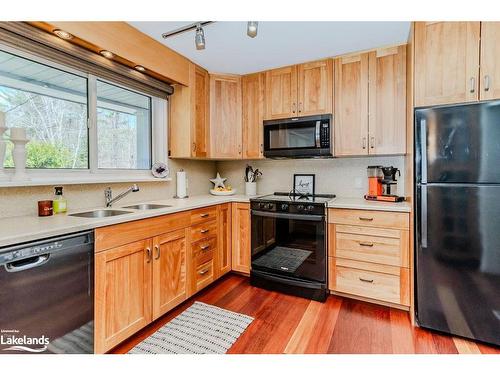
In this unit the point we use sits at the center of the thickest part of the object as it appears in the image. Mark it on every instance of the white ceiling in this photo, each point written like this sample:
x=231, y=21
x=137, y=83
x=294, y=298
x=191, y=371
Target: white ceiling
x=230, y=50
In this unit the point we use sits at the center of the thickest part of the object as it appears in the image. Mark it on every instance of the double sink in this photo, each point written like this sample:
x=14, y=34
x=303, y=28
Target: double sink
x=100, y=213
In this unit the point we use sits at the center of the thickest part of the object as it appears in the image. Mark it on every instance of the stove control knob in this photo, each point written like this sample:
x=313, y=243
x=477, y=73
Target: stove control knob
x=262, y=205
x=310, y=207
x=269, y=206
x=300, y=207
x=284, y=207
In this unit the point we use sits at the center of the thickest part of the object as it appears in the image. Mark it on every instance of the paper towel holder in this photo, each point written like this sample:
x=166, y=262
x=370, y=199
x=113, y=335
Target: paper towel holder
x=186, y=196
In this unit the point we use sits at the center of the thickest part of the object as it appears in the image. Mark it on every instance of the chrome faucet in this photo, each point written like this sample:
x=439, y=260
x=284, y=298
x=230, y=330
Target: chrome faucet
x=108, y=194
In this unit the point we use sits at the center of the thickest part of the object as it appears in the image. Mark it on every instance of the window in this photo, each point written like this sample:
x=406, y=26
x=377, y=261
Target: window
x=77, y=121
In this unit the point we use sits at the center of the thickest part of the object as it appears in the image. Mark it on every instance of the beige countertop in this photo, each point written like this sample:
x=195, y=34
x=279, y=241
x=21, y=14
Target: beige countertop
x=15, y=230
x=363, y=204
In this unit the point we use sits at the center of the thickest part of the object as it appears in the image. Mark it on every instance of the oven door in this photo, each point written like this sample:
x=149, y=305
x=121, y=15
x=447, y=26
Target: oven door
x=297, y=137
x=289, y=244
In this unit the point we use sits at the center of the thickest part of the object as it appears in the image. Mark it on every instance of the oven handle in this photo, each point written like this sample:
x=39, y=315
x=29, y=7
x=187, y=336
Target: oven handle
x=279, y=215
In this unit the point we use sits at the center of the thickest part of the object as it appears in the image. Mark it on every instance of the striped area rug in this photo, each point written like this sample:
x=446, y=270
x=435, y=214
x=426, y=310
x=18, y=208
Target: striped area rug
x=201, y=329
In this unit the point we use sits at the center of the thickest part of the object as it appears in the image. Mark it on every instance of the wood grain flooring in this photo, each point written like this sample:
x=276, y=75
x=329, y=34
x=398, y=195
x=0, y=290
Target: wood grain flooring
x=287, y=324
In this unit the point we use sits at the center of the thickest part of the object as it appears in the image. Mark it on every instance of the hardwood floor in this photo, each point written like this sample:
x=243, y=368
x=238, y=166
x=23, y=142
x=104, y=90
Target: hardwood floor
x=287, y=324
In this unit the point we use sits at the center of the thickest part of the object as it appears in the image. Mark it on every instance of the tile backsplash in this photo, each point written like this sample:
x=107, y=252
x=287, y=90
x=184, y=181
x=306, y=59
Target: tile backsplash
x=345, y=177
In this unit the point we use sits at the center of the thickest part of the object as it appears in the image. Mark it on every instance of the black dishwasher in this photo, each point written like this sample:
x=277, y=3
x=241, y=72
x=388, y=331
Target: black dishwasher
x=47, y=296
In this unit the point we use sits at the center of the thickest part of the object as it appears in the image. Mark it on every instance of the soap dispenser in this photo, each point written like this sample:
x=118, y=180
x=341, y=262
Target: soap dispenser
x=60, y=203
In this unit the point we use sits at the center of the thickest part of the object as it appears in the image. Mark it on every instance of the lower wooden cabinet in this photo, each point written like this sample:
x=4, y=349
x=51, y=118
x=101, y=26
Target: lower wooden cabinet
x=122, y=293
x=241, y=252
x=224, y=240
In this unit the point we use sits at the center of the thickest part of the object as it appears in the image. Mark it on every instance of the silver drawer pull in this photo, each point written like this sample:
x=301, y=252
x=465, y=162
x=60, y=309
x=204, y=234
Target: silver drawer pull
x=486, y=83
x=204, y=215
x=366, y=244
x=366, y=218
x=366, y=280
x=148, y=254
x=203, y=272
x=205, y=247
x=204, y=230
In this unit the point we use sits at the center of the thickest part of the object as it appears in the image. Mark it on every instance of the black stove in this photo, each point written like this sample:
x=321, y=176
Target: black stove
x=289, y=243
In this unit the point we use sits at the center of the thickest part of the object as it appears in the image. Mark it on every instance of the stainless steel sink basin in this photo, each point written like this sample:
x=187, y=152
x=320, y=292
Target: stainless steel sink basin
x=100, y=213
x=147, y=206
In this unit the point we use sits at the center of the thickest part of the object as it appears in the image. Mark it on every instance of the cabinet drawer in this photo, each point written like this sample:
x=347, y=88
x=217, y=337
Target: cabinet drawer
x=362, y=279
x=204, y=251
x=204, y=214
x=385, y=250
x=204, y=275
x=370, y=218
x=203, y=230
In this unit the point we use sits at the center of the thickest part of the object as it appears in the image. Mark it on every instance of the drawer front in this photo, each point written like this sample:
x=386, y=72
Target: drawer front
x=384, y=250
x=203, y=231
x=204, y=214
x=204, y=251
x=389, y=287
x=369, y=218
x=204, y=275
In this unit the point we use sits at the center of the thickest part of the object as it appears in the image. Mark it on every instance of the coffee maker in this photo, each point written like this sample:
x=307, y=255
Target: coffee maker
x=382, y=184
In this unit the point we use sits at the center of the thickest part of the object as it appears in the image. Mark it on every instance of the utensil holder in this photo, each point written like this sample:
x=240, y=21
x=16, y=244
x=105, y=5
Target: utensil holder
x=250, y=188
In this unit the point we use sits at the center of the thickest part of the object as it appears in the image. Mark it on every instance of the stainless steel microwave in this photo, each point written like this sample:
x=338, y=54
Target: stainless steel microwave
x=299, y=137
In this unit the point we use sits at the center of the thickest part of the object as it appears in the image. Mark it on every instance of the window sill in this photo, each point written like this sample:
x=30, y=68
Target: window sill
x=97, y=178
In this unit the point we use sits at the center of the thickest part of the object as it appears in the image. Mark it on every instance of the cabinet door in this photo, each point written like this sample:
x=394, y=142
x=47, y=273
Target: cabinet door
x=446, y=62
x=241, y=237
x=315, y=88
x=169, y=271
x=387, y=98
x=281, y=93
x=123, y=293
x=351, y=105
x=225, y=117
x=201, y=114
x=490, y=61
x=253, y=115
x=224, y=240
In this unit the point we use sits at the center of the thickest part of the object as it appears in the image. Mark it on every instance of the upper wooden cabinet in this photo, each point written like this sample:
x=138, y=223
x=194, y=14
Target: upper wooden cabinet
x=201, y=132
x=387, y=101
x=253, y=115
x=281, y=93
x=299, y=90
x=225, y=117
x=351, y=105
x=315, y=87
x=490, y=61
x=446, y=62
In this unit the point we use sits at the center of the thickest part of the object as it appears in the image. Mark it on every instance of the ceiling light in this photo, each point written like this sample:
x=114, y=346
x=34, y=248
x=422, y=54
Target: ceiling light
x=252, y=28
x=63, y=34
x=107, y=54
x=140, y=68
x=199, y=38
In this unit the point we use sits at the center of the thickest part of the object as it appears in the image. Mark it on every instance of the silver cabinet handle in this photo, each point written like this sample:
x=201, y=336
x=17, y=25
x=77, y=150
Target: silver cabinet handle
x=158, y=252
x=472, y=85
x=486, y=83
x=300, y=107
x=205, y=247
x=372, y=142
x=204, y=230
x=204, y=215
x=363, y=143
x=366, y=244
x=148, y=253
x=366, y=280
x=194, y=146
x=203, y=272
x=261, y=148
x=294, y=107
x=365, y=218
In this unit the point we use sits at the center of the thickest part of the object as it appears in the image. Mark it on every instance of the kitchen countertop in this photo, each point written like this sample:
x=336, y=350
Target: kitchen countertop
x=363, y=204
x=16, y=230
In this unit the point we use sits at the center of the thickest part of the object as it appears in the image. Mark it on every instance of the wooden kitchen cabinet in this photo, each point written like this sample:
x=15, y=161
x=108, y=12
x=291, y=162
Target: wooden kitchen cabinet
x=387, y=101
x=200, y=146
x=122, y=293
x=447, y=62
x=281, y=93
x=351, y=105
x=241, y=253
x=490, y=61
x=315, y=87
x=225, y=117
x=223, y=264
x=253, y=115
x=170, y=274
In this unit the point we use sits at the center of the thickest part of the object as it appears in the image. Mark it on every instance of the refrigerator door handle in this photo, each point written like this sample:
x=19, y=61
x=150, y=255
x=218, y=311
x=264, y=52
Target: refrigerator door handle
x=423, y=217
x=423, y=142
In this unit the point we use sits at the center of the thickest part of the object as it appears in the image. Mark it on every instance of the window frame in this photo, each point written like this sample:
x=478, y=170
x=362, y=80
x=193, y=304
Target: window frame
x=94, y=174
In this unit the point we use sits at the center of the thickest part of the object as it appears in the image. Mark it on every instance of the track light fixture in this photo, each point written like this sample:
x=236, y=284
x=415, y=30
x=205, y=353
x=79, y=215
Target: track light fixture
x=252, y=28
x=199, y=38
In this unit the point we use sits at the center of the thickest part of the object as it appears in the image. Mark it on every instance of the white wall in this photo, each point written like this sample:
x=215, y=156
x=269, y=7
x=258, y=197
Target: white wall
x=338, y=176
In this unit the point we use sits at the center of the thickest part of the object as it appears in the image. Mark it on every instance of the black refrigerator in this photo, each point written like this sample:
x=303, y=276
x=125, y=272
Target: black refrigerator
x=457, y=190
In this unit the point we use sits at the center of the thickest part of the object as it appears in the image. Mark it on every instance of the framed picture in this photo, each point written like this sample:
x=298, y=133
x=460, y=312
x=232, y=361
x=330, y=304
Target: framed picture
x=304, y=183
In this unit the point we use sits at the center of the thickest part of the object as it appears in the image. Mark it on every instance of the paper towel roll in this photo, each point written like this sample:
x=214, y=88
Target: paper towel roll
x=181, y=184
